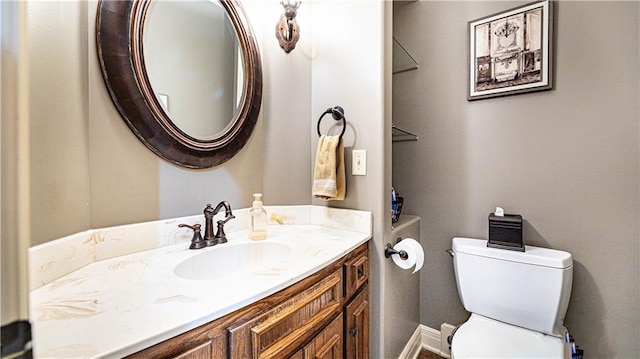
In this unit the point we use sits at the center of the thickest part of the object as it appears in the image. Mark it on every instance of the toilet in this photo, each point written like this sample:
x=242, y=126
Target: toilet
x=517, y=301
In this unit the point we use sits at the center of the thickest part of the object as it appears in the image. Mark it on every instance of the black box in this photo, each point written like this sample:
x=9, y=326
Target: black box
x=505, y=232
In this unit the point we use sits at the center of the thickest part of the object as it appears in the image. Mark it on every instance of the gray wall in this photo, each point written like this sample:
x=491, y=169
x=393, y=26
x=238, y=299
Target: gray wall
x=402, y=293
x=566, y=159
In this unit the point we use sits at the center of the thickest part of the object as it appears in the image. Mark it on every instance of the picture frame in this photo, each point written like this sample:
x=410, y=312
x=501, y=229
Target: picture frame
x=511, y=52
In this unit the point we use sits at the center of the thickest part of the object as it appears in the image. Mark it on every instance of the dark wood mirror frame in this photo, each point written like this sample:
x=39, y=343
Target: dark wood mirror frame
x=119, y=27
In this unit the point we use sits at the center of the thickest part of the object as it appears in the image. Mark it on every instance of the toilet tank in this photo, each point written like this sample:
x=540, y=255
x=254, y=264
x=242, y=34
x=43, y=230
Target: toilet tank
x=530, y=289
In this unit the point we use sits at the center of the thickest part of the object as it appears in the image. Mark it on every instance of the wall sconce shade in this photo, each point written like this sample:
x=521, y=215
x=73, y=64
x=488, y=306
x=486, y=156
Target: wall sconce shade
x=287, y=30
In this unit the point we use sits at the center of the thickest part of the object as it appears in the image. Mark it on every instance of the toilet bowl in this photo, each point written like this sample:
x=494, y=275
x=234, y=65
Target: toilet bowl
x=481, y=337
x=517, y=301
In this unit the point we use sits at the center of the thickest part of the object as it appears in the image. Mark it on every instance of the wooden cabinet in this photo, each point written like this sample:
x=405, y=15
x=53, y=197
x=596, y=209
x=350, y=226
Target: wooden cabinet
x=356, y=309
x=357, y=326
x=324, y=316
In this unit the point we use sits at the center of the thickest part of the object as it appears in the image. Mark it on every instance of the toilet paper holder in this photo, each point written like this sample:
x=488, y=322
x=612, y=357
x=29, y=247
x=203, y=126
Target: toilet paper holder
x=389, y=251
x=407, y=253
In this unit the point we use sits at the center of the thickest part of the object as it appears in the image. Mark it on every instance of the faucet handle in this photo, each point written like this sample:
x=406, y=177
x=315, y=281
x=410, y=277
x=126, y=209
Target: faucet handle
x=221, y=237
x=196, y=241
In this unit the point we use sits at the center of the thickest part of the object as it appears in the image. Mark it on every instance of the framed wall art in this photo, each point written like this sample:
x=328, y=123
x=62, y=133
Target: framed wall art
x=511, y=52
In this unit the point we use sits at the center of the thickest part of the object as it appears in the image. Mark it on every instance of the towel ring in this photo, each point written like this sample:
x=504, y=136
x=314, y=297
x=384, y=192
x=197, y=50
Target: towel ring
x=337, y=113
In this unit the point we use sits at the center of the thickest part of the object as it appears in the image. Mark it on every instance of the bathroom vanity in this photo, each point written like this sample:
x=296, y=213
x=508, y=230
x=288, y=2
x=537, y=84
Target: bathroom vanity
x=305, y=320
x=303, y=292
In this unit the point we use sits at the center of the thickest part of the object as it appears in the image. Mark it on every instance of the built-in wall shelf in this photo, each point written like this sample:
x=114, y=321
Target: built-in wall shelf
x=402, y=61
x=400, y=135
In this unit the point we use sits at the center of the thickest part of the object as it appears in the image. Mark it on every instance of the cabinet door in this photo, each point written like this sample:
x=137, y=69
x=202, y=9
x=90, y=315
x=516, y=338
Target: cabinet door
x=328, y=343
x=357, y=326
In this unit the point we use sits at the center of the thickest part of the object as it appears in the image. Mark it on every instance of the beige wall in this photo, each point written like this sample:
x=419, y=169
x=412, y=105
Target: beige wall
x=348, y=69
x=287, y=132
x=90, y=171
x=59, y=118
x=566, y=159
x=14, y=157
x=341, y=59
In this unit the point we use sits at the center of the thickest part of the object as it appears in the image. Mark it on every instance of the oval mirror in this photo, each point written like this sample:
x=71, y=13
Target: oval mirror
x=185, y=76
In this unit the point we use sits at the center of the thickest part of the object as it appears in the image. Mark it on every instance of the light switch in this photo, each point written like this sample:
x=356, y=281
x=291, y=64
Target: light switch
x=359, y=163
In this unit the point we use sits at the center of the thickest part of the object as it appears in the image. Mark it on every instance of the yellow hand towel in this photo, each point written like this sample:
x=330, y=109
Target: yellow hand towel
x=328, y=175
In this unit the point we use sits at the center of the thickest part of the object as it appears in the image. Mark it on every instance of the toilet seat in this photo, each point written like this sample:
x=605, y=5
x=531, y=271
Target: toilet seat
x=481, y=337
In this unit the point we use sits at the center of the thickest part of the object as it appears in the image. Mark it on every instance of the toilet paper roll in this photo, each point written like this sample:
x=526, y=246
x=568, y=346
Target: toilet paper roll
x=414, y=251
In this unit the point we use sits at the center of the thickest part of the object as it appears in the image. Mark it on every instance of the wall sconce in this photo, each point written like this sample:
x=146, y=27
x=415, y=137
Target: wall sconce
x=287, y=30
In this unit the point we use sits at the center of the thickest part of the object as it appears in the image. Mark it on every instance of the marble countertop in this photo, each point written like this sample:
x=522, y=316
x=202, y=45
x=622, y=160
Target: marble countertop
x=118, y=306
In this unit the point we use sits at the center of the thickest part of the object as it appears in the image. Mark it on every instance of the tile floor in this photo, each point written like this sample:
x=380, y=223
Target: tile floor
x=425, y=354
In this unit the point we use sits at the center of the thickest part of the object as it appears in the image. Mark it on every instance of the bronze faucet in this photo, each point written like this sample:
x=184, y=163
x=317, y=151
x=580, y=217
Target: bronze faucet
x=209, y=212
x=210, y=239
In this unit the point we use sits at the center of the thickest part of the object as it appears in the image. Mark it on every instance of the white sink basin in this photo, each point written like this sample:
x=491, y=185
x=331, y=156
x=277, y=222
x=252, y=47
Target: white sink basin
x=230, y=261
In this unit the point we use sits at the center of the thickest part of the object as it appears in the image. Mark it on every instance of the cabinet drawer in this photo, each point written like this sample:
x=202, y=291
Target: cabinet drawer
x=283, y=329
x=356, y=272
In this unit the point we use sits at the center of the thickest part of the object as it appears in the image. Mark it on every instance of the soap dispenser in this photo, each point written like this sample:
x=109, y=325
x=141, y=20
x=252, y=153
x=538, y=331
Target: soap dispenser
x=258, y=225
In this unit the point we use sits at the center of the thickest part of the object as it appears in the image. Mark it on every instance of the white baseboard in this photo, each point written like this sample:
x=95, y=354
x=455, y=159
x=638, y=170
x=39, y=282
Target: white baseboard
x=423, y=338
x=430, y=339
x=413, y=347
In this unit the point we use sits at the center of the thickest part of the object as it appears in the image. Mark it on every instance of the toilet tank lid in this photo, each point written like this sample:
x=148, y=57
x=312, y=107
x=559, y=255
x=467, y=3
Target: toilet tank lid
x=532, y=255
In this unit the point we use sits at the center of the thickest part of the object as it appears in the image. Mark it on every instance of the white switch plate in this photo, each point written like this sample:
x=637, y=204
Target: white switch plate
x=359, y=163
